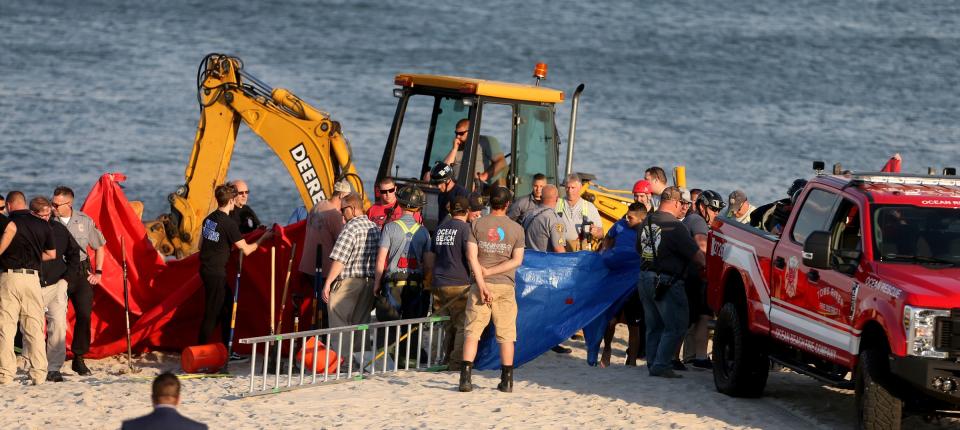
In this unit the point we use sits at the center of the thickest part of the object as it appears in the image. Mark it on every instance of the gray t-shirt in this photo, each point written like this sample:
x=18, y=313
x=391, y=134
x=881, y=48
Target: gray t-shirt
x=406, y=242
x=489, y=150
x=696, y=224
x=543, y=230
x=496, y=237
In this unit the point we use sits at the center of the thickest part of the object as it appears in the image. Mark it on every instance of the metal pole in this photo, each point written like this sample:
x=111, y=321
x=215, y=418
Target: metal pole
x=253, y=365
x=303, y=358
x=396, y=353
x=419, y=343
x=406, y=364
x=316, y=340
x=572, y=134
x=363, y=349
x=429, y=355
x=266, y=361
x=339, y=352
x=290, y=361
x=326, y=361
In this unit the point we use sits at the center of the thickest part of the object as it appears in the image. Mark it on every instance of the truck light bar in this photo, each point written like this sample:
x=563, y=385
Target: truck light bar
x=906, y=180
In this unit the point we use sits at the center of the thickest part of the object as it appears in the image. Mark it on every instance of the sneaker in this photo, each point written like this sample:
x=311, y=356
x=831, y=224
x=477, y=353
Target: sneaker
x=237, y=358
x=54, y=376
x=678, y=365
x=80, y=367
x=669, y=374
x=560, y=349
x=702, y=363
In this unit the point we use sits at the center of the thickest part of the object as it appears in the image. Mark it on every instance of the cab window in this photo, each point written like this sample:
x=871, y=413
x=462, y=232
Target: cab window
x=536, y=147
x=449, y=112
x=814, y=215
x=495, y=140
x=846, y=237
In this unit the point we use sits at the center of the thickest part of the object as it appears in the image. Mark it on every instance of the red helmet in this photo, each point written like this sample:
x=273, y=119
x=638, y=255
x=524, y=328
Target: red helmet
x=642, y=186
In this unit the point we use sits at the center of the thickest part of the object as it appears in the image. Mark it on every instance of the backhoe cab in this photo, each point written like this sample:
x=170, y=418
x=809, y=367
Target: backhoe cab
x=511, y=134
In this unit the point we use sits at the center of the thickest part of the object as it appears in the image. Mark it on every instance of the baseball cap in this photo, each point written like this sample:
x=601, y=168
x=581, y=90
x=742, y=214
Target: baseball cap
x=460, y=204
x=685, y=195
x=737, y=198
x=342, y=186
x=477, y=202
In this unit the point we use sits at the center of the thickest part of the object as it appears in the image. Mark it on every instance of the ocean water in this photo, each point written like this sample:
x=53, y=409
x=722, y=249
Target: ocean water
x=744, y=93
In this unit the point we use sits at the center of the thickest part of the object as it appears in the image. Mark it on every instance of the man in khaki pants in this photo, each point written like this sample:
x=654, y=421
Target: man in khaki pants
x=451, y=277
x=494, y=251
x=354, y=256
x=26, y=241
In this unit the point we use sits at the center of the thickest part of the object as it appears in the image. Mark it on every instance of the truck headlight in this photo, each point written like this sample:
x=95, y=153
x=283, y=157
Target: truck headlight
x=920, y=325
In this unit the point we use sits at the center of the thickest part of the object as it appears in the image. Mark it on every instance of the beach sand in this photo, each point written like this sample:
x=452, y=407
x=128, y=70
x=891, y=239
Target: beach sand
x=553, y=391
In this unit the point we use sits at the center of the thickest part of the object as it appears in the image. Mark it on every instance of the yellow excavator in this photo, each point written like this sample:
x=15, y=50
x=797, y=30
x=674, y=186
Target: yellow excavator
x=517, y=117
x=309, y=143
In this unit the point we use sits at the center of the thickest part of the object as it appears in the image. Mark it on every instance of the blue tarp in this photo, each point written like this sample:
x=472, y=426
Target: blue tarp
x=558, y=294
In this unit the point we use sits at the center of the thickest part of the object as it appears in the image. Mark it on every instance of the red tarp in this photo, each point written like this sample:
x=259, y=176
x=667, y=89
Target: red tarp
x=166, y=298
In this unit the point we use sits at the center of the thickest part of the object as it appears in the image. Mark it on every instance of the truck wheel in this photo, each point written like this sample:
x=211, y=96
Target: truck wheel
x=877, y=408
x=740, y=366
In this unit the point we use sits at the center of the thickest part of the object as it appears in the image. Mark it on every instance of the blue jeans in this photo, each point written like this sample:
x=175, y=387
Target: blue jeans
x=666, y=320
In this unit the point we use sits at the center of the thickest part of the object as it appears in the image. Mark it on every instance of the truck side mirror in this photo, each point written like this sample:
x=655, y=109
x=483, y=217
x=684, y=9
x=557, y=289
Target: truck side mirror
x=816, y=250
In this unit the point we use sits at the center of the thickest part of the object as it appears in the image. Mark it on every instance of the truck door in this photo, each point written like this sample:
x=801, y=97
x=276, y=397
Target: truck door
x=536, y=149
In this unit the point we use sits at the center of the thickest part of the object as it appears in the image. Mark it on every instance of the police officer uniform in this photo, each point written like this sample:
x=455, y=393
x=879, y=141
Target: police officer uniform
x=80, y=292
x=544, y=230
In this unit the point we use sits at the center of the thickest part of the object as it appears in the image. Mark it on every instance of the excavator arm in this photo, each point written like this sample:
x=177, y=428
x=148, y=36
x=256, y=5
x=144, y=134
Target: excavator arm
x=310, y=145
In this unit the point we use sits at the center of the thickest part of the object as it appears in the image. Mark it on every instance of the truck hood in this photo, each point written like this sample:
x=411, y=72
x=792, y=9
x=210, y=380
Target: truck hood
x=923, y=285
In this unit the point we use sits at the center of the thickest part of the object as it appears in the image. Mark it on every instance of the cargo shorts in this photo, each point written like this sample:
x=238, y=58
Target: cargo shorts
x=503, y=311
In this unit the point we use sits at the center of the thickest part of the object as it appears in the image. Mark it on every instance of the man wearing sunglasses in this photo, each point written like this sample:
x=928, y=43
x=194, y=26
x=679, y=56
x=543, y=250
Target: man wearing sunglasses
x=27, y=241
x=242, y=213
x=490, y=165
x=386, y=209
x=85, y=232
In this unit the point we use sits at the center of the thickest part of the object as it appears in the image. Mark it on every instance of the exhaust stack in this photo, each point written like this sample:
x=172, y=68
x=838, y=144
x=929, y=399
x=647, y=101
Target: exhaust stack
x=573, y=130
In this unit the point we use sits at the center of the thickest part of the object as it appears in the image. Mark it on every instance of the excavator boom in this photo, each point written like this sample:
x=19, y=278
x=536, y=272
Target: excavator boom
x=310, y=145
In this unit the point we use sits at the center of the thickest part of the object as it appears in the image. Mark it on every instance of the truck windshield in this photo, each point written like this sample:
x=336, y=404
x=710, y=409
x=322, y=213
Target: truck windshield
x=914, y=234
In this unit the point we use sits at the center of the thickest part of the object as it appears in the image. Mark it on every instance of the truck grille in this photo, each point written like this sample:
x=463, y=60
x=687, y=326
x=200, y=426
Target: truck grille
x=947, y=333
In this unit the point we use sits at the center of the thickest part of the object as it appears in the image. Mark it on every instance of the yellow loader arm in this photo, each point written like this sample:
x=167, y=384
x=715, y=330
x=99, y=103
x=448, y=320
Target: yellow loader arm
x=310, y=145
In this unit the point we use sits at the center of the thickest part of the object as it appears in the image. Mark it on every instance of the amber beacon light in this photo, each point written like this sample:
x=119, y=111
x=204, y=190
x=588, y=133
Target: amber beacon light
x=540, y=72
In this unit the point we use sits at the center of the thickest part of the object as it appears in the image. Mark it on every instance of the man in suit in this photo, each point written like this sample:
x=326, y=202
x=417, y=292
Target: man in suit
x=166, y=397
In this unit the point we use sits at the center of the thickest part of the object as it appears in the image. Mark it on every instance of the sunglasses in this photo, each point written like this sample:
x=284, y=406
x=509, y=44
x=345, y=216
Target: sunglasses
x=462, y=132
x=388, y=190
x=243, y=193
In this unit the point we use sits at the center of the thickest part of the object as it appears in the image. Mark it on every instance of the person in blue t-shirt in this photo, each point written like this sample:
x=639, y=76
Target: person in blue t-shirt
x=619, y=249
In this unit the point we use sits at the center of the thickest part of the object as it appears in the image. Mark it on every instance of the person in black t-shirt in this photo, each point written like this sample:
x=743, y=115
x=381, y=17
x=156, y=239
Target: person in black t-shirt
x=242, y=213
x=27, y=241
x=55, y=277
x=219, y=235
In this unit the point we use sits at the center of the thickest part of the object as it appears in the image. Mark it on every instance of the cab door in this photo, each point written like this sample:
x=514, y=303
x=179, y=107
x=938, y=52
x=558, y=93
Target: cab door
x=536, y=149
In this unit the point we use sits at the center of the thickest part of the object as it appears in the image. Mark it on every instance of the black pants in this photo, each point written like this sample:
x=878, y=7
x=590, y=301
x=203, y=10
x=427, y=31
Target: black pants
x=306, y=282
x=217, y=307
x=80, y=293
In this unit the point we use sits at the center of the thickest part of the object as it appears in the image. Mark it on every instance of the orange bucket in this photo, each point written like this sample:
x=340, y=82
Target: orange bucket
x=209, y=358
x=332, y=364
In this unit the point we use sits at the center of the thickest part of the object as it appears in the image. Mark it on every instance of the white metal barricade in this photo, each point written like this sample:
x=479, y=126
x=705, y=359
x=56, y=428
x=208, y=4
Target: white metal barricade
x=383, y=355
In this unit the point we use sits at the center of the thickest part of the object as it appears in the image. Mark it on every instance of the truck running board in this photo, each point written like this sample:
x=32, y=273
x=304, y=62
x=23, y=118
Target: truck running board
x=813, y=372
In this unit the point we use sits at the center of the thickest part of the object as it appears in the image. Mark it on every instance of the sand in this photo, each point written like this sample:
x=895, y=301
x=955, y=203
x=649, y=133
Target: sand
x=554, y=391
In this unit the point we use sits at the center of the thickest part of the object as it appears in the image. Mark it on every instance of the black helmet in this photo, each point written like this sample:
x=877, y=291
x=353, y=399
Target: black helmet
x=797, y=185
x=412, y=196
x=711, y=199
x=441, y=172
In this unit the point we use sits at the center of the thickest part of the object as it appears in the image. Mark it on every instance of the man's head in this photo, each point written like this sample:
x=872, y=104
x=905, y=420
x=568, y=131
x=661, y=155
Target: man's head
x=709, y=204
x=657, y=178
x=739, y=205
x=573, y=186
x=387, y=190
x=550, y=196
x=642, y=192
x=671, y=202
x=499, y=200
x=460, y=133
x=442, y=176
x=459, y=208
x=636, y=213
x=351, y=206
x=478, y=202
x=16, y=201
x=63, y=201
x=225, y=195
x=243, y=192
x=686, y=200
x=340, y=189
x=694, y=195
x=40, y=207
x=166, y=390
x=539, y=181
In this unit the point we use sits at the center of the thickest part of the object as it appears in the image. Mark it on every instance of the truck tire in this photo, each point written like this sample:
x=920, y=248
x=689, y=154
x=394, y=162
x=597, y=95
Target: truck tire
x=740, y=365
x=877, y=408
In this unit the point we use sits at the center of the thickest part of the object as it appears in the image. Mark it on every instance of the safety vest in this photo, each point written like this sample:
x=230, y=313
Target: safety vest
x=562, y=204
x=409, y=231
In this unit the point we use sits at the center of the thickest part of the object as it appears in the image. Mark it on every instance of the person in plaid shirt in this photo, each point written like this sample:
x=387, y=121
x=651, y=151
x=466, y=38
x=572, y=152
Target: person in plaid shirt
x=354, y=255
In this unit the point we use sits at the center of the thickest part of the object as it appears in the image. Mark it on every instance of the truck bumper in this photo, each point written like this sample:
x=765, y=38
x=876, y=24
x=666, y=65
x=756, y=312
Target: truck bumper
x=939, y=379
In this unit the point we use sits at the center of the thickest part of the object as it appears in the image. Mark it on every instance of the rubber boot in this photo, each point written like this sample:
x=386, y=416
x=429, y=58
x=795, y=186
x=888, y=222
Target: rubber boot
x=506, y=379
x=466, y=372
